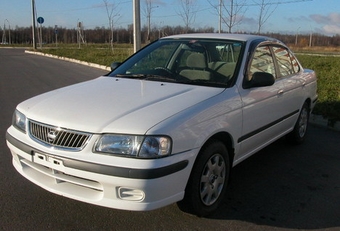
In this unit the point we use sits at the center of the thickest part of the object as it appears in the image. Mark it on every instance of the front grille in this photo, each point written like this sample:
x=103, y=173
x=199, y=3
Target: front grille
x=58, y=137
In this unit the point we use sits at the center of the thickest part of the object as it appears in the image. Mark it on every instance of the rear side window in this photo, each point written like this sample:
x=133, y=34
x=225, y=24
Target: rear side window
x=287, y=64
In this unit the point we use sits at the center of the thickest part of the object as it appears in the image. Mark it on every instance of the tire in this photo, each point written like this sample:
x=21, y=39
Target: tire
x=208, y=180
x=298, y=135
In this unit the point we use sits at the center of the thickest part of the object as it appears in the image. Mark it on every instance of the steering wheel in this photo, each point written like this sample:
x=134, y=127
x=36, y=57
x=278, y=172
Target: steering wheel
x=168, y=71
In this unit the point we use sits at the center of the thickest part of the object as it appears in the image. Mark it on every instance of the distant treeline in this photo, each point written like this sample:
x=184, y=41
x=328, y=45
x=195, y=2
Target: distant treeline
x=23, y=35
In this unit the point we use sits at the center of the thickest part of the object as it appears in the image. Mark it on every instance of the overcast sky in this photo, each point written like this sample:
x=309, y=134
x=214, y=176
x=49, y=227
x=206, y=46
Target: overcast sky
x=290, y=16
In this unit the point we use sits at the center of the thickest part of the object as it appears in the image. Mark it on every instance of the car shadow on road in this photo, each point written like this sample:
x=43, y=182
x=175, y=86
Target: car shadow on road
x=295, y=187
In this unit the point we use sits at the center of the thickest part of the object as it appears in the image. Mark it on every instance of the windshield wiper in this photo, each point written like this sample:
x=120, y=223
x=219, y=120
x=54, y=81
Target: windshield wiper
x=160, y=78
x=146, y=77
x=151, y=77
x=132, y=76
x=204, y=82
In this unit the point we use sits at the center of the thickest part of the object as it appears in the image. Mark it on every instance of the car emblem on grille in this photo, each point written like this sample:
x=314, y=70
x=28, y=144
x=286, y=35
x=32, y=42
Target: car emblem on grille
x=52, y=135
x=57, y=137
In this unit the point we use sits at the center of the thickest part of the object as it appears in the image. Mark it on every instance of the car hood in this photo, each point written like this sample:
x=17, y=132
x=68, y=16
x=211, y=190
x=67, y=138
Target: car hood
x=116, y=105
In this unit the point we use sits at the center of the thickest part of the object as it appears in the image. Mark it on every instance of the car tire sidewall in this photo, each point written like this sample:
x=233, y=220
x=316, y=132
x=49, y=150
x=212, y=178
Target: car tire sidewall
x=295, y=137
x=192, y=201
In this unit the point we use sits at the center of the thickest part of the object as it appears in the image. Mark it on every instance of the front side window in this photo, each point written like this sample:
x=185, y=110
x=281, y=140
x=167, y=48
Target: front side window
x=204, y=62
x=262, y=61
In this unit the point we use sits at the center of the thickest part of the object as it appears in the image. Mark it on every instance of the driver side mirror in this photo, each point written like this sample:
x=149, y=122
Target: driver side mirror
x=260, y=79
x=114, y=65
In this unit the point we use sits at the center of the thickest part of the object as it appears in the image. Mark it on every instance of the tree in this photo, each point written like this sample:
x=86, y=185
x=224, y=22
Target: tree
x=267, y=8
x=188, y=10
x=233, y=11
x=148, y=10
x=111, y=14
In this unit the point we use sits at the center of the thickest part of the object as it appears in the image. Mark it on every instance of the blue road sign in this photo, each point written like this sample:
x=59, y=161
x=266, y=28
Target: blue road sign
x=40, y=20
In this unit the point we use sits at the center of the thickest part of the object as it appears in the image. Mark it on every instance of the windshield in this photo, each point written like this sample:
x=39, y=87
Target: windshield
x=188, y=61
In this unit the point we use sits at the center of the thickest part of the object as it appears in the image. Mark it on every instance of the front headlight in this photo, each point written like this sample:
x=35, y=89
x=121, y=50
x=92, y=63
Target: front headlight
x=19, y=121
x=134, y=146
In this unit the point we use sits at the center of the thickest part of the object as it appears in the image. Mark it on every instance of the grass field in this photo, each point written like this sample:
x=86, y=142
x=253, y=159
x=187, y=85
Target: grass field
x=328, y=73
x=95, y=53
x=322, y=60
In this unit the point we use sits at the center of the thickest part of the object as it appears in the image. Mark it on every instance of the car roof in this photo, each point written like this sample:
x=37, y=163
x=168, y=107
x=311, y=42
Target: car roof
x=239, y=37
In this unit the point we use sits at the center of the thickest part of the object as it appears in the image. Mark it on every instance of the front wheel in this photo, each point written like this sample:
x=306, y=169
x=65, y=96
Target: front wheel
x=298, y=135
x=208, y=180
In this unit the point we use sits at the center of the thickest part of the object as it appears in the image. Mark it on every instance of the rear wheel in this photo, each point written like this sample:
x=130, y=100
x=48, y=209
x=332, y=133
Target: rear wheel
x=298, y=135
x=208, y=180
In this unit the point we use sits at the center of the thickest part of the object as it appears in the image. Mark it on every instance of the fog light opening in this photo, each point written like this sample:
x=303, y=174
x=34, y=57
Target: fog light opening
x=130, y=194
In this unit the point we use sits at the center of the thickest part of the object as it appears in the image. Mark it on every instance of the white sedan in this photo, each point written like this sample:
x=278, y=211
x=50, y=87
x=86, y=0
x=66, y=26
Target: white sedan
x=166, y=125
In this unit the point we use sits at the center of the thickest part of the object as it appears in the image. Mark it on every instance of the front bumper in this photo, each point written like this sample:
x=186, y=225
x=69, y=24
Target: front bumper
x=108, y=184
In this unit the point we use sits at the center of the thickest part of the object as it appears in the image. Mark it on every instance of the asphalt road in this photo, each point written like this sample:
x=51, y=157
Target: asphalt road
x=282, y=187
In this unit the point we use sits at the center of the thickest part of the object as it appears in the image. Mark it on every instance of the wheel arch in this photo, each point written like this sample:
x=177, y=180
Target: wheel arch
x=227, y=140
x=309, y=102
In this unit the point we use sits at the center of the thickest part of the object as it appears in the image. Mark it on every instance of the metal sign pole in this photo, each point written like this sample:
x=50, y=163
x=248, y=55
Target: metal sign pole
x=40, y=21
x=136, y=25
x=56, y=35
x=40, y=39
x=33, y=26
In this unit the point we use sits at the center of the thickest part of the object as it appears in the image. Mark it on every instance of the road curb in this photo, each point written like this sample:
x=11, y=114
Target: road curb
x=320, y=121
x=69, y=60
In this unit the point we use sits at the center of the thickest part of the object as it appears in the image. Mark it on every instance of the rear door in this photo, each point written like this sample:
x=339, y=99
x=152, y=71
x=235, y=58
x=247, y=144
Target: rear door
x=291, y=75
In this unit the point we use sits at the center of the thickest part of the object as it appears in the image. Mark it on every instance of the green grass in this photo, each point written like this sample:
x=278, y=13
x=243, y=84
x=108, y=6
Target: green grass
x=94, y=53
x=327, y=69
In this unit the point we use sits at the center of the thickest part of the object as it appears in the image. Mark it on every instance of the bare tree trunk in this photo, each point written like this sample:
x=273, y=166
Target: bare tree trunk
x=110, y=10
x=148, y=10
x=231, y=16
x=267, y=9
